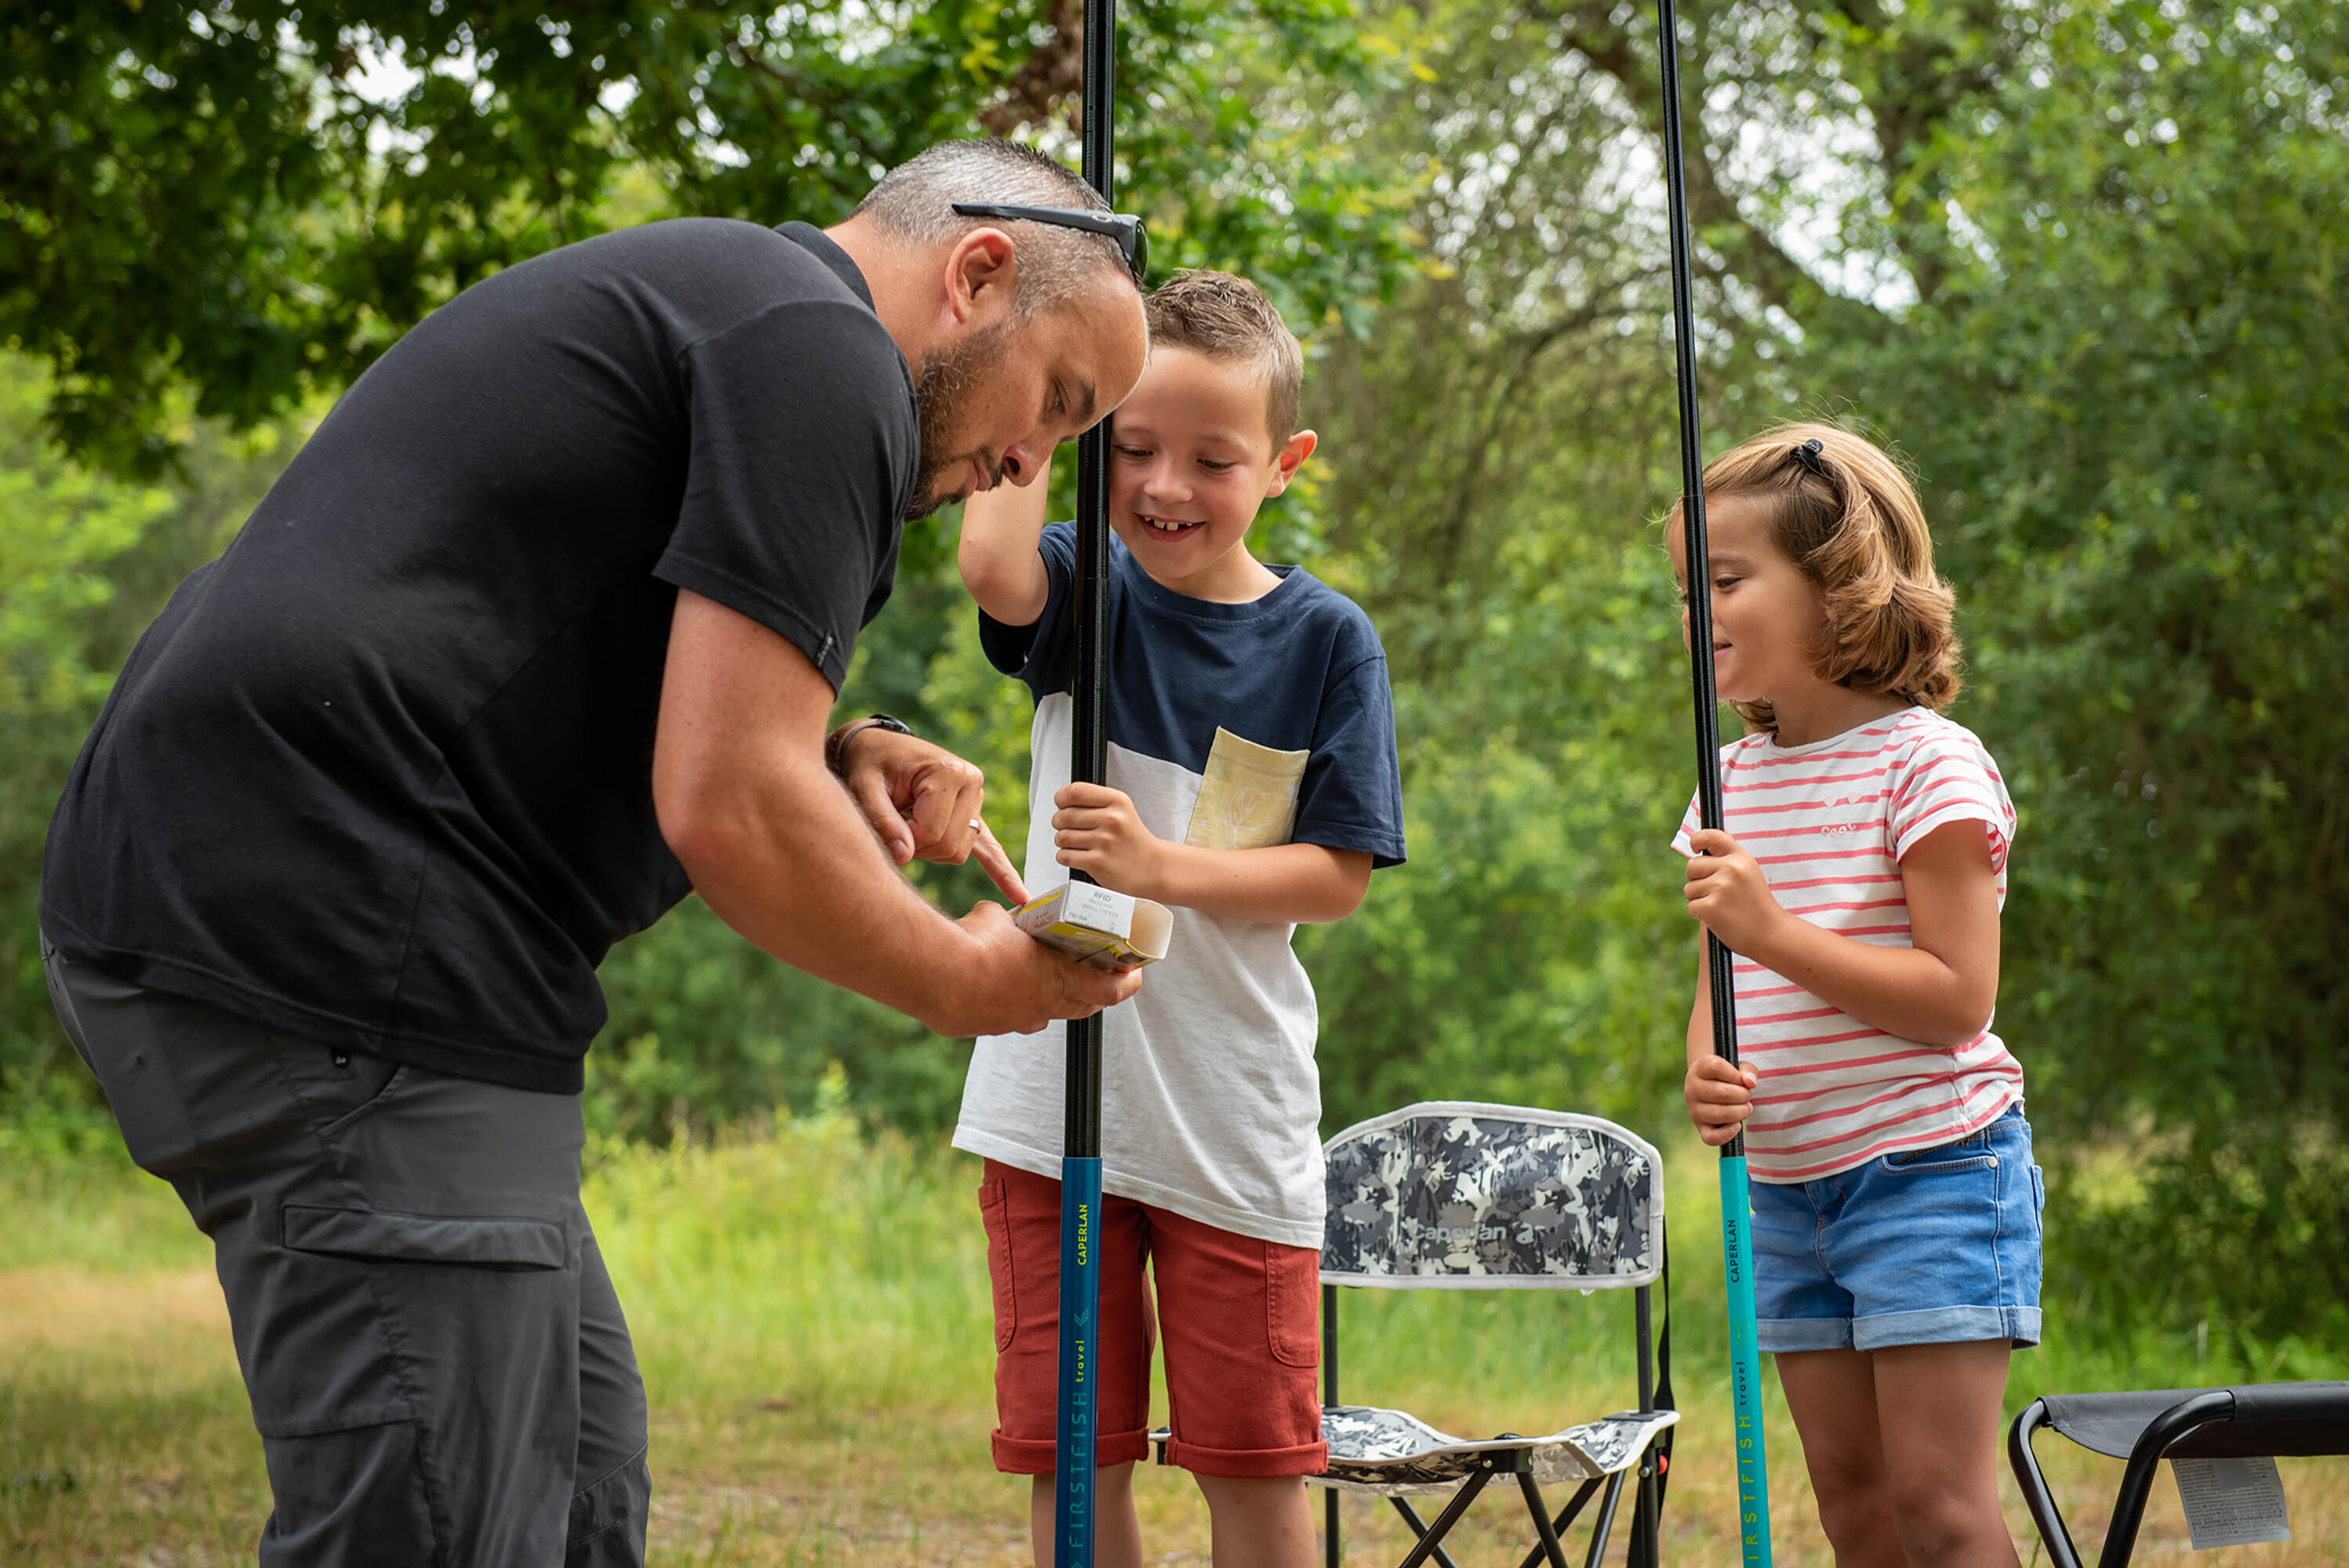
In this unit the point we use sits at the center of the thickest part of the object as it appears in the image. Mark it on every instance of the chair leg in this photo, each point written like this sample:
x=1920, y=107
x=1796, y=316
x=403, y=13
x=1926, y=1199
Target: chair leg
x=2053, y=1534
x=1432, y=1543
x=1540, y=1510
x=2145, y=1462
x=1565, y=1517
x=1604, y=1525
x=1645, y=1514
x=1334, y=1555
x=1419, y=1529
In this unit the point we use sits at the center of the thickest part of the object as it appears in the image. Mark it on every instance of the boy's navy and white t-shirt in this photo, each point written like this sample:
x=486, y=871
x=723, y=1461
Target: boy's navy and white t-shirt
x=1230, y=727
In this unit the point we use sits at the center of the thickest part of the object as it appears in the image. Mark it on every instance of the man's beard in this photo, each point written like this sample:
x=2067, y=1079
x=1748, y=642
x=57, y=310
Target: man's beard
x=946, y=384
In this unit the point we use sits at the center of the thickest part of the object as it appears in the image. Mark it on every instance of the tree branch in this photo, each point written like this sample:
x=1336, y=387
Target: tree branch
x=1750, y=253
x=1051, y=76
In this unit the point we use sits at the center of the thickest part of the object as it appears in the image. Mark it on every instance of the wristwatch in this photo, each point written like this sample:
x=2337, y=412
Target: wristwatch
x=835, y=745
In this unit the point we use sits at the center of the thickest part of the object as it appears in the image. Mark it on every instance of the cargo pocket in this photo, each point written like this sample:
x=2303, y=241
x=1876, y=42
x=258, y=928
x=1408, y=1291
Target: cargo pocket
x=1248, y=796
x=1292, y=1304
x=352, y=1496
x=994, y=1212
x=474, y=1242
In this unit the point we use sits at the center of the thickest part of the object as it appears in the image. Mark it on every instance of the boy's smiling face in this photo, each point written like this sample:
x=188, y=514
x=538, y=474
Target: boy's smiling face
x=1191, y=459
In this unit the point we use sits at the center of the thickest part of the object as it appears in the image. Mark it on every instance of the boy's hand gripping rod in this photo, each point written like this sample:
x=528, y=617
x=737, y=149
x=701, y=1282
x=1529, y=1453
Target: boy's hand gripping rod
x=1080, y=1168
x=1736, y=1215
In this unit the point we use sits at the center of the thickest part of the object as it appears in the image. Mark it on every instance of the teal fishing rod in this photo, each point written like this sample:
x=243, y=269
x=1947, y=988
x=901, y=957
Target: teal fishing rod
x=1074, y=1472
x=1736, y=1209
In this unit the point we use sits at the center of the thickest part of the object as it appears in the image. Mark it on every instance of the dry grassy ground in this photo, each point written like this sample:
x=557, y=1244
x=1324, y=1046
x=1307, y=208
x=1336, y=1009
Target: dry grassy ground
x=810, y=1320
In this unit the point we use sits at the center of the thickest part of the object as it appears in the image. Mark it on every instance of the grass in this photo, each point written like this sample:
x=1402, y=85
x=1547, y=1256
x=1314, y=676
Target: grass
x=810, y=1312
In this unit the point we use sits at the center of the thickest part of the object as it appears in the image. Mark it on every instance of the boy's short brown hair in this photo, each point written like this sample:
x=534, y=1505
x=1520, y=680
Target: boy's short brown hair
x=1845, y=513
x=1229, y=318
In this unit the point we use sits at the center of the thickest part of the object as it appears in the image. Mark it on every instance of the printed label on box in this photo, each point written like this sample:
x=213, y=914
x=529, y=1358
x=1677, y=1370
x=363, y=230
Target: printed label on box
x=1098, y=909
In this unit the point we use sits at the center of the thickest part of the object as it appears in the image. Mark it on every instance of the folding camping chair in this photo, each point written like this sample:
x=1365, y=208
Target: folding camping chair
x=2252, y=1420
x=1450, y=1195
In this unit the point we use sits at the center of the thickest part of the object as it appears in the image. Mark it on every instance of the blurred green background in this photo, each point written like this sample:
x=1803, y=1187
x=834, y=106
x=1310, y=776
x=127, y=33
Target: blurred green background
x=2082, y=263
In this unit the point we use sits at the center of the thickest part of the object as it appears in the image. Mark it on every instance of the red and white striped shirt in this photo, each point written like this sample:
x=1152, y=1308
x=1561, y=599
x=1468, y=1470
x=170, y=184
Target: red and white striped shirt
x=1828, y=823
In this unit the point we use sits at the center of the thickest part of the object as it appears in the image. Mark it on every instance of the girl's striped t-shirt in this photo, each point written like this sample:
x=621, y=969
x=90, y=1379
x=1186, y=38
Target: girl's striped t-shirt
x=1828, y=822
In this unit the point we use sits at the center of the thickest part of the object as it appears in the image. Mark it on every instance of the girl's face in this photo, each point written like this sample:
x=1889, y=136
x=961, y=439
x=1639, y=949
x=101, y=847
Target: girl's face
x=1767, y=615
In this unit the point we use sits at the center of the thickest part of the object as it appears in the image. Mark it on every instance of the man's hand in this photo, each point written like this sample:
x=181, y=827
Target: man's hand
x=1100, y=834
x=923, y=801
x=1720, y=1098
x=1728, y=894
x=1021, y=985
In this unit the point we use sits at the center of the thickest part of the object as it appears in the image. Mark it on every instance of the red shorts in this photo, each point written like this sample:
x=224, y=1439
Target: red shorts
x=1241, y=1318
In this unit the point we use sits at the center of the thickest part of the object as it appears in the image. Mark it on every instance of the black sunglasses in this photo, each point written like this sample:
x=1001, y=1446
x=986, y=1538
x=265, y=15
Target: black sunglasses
x=1132, y=240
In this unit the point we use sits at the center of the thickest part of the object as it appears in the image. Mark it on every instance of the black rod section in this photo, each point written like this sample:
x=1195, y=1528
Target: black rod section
x=1333, y=1553
x=1700, y=581
x=1089, y=742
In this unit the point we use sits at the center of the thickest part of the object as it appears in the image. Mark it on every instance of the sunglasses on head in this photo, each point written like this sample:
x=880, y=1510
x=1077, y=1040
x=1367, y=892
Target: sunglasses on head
x=1132, y=241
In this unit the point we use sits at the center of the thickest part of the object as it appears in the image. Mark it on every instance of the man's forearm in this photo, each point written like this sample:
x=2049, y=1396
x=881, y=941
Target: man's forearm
x=792, y=865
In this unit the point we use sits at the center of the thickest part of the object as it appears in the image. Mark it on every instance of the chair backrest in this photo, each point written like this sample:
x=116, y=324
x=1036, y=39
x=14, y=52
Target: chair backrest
x=1452, y=1194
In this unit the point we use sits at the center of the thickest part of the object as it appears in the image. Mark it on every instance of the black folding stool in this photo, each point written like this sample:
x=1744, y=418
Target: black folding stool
x=1458, y=1195
x=2146, y=1427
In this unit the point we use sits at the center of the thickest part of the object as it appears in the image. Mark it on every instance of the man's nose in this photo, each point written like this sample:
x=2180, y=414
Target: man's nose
x=1024, y=459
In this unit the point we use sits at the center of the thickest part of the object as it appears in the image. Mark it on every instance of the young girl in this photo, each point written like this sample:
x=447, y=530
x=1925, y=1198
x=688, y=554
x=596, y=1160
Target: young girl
x=1896, y=1206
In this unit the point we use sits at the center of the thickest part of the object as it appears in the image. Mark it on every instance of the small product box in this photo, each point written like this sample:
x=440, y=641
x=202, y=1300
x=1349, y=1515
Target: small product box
x=1104, y=929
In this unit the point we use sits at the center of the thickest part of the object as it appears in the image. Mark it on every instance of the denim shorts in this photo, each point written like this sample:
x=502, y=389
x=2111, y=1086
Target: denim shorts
x=1925, y=1246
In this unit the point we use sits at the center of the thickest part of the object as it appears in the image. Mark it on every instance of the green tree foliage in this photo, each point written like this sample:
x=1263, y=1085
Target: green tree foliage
x=85, y=561
x=2079, y=260
x=252, y=198
x=2126, y=387
x=227, y=208
x=2082, y=264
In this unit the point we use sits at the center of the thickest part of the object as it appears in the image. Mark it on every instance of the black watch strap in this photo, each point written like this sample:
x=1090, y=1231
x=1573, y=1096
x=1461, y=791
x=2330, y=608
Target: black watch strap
x=835, y=746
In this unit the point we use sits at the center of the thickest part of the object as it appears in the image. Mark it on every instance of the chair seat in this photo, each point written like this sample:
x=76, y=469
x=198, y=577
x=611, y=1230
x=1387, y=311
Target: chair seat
x=2284, y=1419
x=1391, y=1453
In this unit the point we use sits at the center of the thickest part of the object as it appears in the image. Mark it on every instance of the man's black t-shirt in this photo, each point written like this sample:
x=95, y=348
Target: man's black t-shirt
x=381, y=776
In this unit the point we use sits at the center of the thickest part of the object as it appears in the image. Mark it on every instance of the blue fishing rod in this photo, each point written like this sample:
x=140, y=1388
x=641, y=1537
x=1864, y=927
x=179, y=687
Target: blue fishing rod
x=1736, y=1209
x=1074, y=1474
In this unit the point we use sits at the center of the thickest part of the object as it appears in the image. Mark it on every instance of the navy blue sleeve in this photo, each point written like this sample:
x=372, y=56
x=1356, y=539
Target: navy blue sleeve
x=1042, y=655
x=1351, y=798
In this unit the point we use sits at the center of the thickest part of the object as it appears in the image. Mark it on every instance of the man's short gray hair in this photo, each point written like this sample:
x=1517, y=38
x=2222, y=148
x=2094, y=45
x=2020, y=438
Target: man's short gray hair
x=914, y=204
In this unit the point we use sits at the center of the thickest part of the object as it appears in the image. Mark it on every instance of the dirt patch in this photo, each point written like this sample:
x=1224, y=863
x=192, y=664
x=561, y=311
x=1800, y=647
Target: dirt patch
x=59, y=1307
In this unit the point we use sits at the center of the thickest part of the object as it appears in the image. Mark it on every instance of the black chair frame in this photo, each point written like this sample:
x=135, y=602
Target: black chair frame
x=2262, y=1420
x=1548, y=1529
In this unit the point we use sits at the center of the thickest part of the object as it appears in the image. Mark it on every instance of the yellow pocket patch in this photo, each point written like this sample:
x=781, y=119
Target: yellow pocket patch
x=1248, y=797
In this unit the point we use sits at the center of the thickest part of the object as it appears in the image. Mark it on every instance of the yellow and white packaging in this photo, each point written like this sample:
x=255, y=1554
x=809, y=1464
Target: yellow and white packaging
x=1098, y=926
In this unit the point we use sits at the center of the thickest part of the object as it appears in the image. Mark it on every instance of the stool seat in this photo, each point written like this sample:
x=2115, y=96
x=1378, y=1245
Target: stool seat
x=1392, y=1453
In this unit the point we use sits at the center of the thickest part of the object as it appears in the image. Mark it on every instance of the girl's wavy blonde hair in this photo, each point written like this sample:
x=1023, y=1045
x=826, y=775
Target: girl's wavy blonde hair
x=1847, y=516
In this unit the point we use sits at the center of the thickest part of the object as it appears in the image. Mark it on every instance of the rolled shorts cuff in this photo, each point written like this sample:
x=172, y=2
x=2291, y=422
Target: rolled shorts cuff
x=1249, y=1464
x=1777, y=1336
x=1947, y=1325
x=1032, y=1456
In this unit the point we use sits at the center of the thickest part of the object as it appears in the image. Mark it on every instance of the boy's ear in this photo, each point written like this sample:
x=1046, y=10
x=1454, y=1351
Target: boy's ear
x=1288, y=460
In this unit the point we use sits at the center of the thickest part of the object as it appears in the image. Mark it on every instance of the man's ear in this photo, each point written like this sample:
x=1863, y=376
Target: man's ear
x=1288, y=460
x=982, y=278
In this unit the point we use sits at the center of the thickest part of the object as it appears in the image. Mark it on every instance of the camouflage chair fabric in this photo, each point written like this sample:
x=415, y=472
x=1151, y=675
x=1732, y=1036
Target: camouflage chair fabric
x=1460, y=1195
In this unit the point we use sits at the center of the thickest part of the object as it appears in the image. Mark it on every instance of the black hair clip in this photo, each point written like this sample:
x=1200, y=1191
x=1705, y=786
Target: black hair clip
x=1808, y=454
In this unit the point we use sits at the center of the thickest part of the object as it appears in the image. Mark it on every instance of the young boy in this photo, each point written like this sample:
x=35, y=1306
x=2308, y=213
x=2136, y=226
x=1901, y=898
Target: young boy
x=1252, y=785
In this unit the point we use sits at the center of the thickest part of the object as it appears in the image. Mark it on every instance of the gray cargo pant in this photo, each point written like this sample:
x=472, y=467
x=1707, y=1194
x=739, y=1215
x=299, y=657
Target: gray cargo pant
x=437, y=1364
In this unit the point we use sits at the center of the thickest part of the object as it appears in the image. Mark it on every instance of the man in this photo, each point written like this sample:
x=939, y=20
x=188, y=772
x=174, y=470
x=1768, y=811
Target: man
x=539, y=633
